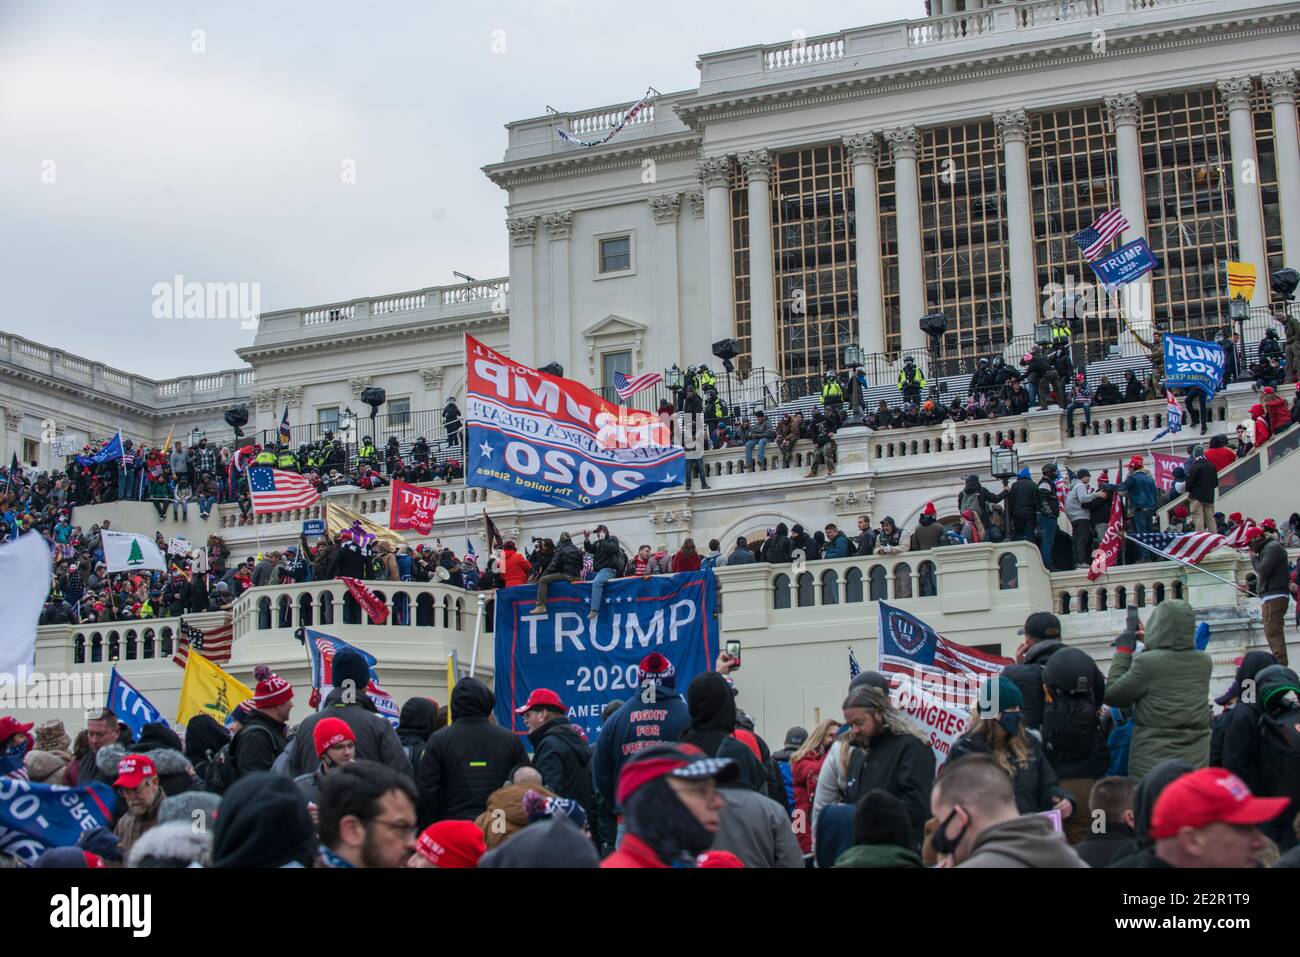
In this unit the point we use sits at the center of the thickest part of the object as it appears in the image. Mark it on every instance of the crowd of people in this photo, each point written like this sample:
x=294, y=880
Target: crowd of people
x=1058, y=766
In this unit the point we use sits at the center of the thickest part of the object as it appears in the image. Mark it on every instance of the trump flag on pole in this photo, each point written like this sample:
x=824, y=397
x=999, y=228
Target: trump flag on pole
x=412, y=507
x=590, y=662
x=36, y=817
x=321, y=649
x=1193, y=364
x=547, y=439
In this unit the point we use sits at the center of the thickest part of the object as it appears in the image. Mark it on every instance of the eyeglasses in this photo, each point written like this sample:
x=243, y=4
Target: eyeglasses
x=399, y=827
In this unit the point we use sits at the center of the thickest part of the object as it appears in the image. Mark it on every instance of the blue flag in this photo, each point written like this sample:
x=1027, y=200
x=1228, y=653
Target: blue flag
x=112, y=449
x=1193, y=364
x=36, y=817
x=321, y=649
x=1173, y=416
x=589, y=663
x=854, y=668
x=130, y=706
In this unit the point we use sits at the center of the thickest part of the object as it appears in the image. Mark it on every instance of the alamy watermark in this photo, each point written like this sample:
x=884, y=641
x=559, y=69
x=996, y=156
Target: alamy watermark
x=208, y=300
x=55, y=690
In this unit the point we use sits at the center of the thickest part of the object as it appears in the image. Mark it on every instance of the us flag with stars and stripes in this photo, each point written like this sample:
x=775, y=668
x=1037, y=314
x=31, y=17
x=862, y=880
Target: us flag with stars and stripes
x=273, y=490
x=627, y=387
x=1185, y=546
x=1094, y=240
x=214, y=644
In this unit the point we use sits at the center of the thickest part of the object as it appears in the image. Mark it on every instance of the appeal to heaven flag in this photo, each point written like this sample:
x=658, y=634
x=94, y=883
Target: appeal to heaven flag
x=127, y=551
x=206, y=689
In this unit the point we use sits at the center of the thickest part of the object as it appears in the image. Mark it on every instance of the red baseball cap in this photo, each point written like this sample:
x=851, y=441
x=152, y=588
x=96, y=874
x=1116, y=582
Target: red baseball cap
x=679, y=760
x=9, y=726
x=133, y=769
x=718, y=859
x=542, y=698
x=1208, y=796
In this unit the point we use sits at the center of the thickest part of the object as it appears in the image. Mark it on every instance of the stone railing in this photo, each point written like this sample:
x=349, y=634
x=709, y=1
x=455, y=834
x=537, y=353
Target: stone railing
x=98, y=643
x=1144, y=585
x=959, y=26
x=431, y=303
x=803, y=51
x=607, y=117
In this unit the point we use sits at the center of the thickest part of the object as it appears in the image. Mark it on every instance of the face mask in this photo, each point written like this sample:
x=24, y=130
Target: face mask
x=939, y=839
x=1010, y=723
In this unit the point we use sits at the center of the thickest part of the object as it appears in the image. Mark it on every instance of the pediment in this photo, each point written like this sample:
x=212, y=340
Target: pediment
x=613, y=325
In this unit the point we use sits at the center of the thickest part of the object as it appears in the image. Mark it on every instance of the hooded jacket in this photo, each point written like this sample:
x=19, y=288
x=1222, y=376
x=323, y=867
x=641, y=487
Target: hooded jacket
x=260, y=741
x=1233, y=741
x=929, y=533
x=375, y=738
x=776, y=550
x=713, y=727
x=1028, y=677
x=880, y=857
x=1028, y=841
x=1271, y=774
x=514, y=568
x=634, y=727
x=1022, y=497
x=564, y=760
x=1168, y=687
x=415, y=726
x=466, y=761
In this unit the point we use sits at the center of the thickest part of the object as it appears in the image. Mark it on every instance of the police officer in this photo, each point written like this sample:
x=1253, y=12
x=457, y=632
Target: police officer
x=1060, y=333
x=832, y=394
x=393, y=455
x=1270, y=346
x=265, y=457
x=911, y=381
x=286, y=460
x=981, y=383
x=420, y=451
x=706, y=380
x=304, y=458
x=451, y=421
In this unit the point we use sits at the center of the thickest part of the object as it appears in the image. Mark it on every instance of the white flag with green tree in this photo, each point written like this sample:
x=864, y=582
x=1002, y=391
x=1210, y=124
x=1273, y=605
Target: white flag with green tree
x=127, y=551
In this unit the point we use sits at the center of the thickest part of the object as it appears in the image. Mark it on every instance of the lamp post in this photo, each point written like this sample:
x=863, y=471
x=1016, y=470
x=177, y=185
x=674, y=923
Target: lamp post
x=196, y=436
x=853, y=362
x=1004, y=462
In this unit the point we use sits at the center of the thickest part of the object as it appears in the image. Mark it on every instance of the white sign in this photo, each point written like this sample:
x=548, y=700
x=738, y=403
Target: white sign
x=66, y=445
x=178, y=546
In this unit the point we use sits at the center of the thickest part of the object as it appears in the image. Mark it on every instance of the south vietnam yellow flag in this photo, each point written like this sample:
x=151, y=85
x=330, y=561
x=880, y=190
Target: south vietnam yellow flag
x=1241, y=280
x=206, y=689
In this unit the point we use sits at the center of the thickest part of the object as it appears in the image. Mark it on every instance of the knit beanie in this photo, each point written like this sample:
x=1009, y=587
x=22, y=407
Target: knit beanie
x=329, y=732
x=272, y=690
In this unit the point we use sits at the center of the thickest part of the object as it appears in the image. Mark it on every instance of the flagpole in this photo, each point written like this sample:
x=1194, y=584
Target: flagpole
x=1195, y=568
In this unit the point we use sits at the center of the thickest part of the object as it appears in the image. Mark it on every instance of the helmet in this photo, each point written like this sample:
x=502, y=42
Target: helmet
x=909, y=361
x=982, y=364
x=367, y=440
x=1270, y=333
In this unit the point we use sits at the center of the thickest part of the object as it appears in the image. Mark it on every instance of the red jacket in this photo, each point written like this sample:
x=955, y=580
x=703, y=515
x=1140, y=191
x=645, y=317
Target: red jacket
x=633, y=852
x=1221, y=458
x=805, y=774
x=1279, y=413
x=514, y=568
x=686, y=563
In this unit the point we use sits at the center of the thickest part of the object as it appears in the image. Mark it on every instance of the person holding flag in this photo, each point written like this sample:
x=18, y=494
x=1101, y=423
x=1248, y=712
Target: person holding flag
x=1173, y=417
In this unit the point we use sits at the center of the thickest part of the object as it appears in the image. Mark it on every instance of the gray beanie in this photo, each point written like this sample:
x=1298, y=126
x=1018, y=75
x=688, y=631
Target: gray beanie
x=180, y=808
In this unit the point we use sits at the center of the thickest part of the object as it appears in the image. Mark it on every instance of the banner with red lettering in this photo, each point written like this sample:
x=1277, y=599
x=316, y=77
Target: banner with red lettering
x=543, y=438
x=1163, y=472
x=412, y=507
x=368, y=600
x=1107, y=552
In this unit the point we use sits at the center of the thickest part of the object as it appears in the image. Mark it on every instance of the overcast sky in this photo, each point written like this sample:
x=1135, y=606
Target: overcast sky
x=127, y=158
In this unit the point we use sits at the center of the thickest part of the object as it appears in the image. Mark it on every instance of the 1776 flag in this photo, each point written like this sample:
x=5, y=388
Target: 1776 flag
x=274, y=490
x=1094, y=240
x=626, y=387
x=214, y=643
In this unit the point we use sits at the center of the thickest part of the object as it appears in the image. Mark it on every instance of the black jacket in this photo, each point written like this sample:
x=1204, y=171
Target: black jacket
x=604, y=554
x=1022, y=497
x=1202, y=480
x=1116, y=844
x=1243, y=718
x=375, y=738
x=1034, y=786
x=1048, y=503
x=348, y=562
x=258, y=743
x=1028, y=677
x=1271, y=570
x=975, y=496
x=1107, y=394
x=564, y=760
x=901, y=764
x=467, y=761
x=777, y=549
x=567, y=561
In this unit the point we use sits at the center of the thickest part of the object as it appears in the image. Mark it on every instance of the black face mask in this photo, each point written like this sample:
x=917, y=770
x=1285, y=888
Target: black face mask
x=940, y=841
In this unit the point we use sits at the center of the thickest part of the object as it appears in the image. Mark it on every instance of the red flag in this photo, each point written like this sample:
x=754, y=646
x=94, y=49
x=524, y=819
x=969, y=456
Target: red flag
x=367, y=599
x=412, y=506
x=1108, y=552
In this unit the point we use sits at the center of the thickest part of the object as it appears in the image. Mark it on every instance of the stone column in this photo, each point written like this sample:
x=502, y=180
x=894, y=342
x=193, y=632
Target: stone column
x=667, y=302
x=11, y=438
x=715, y=174
x=523, y=320
x=1013, y=127
x=1236, y=96
x=556, y=339
x=1125, y=110
x=863, y=151
x=762, y=305
x=1286, y=147
x=904, y=142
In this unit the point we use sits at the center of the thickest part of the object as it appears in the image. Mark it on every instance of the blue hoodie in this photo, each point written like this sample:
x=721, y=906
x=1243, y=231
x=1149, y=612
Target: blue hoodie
x=634, y=727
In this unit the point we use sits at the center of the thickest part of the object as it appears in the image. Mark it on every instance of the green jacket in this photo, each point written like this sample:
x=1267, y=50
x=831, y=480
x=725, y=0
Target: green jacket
x=1168, y=686
x=879, y=856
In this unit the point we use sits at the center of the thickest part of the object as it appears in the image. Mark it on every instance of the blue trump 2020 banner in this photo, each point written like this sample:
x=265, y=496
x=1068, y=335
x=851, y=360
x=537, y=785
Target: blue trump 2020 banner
x=1193, y=364
x=589, y=663
x=1125, y=264
x=133, y=708
x=35, y=817
x=112, y=449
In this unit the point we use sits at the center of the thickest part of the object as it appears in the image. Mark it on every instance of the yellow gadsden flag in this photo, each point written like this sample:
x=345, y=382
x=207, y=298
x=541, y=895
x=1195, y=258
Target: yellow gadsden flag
x=1241, y=280
x=206, y=689
x=338, y=518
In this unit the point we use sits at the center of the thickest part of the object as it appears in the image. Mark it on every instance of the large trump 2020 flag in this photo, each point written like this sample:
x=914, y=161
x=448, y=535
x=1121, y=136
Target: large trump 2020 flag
x=548, y=439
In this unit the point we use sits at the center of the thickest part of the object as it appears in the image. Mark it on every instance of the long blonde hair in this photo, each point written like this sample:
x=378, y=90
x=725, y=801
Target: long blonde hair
x=891, y=718
x=1011, y=751
x=814, y=740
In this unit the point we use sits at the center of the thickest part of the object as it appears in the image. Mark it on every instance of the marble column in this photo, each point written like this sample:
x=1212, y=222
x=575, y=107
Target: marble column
x=666, y=310
x=715, y=175
x=523, y=319
x=554, y=344
x=1125, y=110
x=863, y=151
x=1236, y=94
x=762, y=302
x=1013, y=127
x=905, y=142
x=1281, y=89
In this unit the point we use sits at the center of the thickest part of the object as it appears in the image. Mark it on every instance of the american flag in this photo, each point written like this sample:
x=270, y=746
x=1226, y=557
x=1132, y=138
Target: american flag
x=273, y=490
x=214, y=644
x=854, y=668
x=1094, y=240
x=1064, y=476
x=626, y=388
x=1184, y=546
x=1237, y=537
x=909, y=646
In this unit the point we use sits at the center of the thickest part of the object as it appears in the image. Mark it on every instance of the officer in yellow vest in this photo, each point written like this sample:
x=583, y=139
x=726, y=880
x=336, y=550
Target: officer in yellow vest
x=265, y=457
x=286, y=459
x=368, y=457
x=707, y=380
x=832, y=393
x=911, y=381
x=1060, y=333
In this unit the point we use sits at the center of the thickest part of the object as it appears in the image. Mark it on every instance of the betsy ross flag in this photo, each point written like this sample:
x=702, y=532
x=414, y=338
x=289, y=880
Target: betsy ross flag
x=1182, y=546
x=286, y=436
x=627, y=387
x=273, y=490
x=214, y=643
x=1094, y=240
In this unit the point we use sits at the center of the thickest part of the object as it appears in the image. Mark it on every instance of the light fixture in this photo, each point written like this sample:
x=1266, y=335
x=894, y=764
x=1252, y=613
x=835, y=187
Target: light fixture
x=461, y=275
x=1238, y=309
x=853, y=355
x=1003, y=462
x=673, y=378
x=347, y=419
x=196, y=436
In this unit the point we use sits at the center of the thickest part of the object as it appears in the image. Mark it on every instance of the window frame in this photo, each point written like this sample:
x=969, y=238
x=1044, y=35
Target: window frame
x=602, y=238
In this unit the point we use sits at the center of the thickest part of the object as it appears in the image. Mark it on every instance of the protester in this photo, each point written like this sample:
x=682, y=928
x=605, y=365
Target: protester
x=1112, y=837
x=367, y=817
x=1273, y=583
x=137, y=782
x=755, y=828
x=561, y=756
x=264, y=732
x=448, y=844
x=882, y=835
x=1260, y=745
x=335, y=746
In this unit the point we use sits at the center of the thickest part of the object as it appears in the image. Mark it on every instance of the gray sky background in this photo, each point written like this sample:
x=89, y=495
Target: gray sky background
x=225, y=166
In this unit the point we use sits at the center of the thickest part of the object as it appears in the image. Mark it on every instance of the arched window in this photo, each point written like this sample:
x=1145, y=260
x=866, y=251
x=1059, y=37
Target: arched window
x=286, y=612
x=927, y=579
x=489, y=615
x=460, y=614
x=1065, y=603
x=424, y=610
x=1178, y=590
x=96, y=647
x=1141, y=596
x=1160, y=592
x=446, y=611
x=807, y=595
x=830, y=588
x=131, y=645
x=263, y=613
x=114, y=646
x=1103, y=599
x=351, y=610
x=1083, y=601
x=878, y=588
x=853, y=586
x=327, y=608
x=79, y=649
x=166, y=648
x=305, y=610
x=401, y=609
x=1008, y=571
x=902, y=580
x=383, y=597
x=781, y=591
x=1121, y=597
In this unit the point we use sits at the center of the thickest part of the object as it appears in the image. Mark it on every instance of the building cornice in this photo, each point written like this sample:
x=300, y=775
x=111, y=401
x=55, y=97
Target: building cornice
x=543, y=169
x=757, y=101
x=107, y=399
x=372, y=338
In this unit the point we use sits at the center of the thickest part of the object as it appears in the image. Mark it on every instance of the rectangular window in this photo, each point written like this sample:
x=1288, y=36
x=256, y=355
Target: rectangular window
x=399, y=413
x=615, y=254
x=328, y=419
x=31, y=451
x=612, y=362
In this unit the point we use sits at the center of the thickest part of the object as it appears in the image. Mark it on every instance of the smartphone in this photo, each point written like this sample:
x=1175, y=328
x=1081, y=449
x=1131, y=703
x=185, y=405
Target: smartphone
x=733, y=652
x=1132, y=626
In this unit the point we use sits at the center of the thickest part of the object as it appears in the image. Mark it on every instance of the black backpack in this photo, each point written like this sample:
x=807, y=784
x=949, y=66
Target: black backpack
x=221, y=771
x=1280, y=748
x=1071, y=725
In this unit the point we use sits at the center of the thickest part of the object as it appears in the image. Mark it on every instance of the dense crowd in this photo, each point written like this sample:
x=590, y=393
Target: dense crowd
x=1058, y=766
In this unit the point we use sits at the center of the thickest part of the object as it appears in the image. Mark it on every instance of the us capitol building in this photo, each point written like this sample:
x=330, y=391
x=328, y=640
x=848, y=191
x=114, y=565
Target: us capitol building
x=809, y=195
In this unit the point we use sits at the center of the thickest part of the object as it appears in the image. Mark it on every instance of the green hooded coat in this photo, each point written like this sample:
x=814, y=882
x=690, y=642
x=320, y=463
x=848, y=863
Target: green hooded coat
x=1168, y=686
